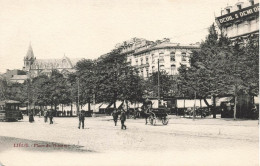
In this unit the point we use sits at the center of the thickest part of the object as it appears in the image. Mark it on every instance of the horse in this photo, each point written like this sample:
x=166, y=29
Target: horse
x=145, y=113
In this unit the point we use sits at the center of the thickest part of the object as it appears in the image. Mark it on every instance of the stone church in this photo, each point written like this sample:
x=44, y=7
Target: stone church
x=35, y=67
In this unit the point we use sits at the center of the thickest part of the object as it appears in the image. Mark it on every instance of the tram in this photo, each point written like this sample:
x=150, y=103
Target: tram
x=9, y=110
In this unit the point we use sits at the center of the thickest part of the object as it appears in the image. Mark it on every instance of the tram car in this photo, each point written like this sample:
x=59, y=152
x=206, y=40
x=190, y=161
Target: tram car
x=9, y=110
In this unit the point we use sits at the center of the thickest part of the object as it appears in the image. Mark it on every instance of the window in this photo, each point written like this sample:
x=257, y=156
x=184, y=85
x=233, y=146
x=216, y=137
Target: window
x=141, y=61
x=142, y=73
x=136, y=61
x=173, y=68
x=153, y=69
x=161, y=58
x=146, y=59
x=152, y=58
x=183, y=56
x=172, y=55
x=239, y=7
x=161, y=67
x=147, y=72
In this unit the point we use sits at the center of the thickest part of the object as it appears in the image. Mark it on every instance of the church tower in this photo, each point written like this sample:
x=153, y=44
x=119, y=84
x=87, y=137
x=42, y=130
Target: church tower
x=29, y=59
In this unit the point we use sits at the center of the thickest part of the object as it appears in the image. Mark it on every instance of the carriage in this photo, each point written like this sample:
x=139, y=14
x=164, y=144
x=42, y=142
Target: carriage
x=159, y=114
x=9, y=110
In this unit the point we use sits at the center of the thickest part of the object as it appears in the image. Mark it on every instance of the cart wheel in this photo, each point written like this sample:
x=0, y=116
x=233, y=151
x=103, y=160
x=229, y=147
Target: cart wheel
x=165, y=121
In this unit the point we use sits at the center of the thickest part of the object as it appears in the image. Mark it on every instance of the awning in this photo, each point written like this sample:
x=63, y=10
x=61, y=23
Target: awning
x=103, y=106
x=190, y=103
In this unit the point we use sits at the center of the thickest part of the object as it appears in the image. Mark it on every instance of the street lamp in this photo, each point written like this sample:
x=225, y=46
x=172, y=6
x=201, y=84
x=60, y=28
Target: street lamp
x=78, y=98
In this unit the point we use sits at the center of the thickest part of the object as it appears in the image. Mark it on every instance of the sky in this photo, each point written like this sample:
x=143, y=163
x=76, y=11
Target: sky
x=90, y=28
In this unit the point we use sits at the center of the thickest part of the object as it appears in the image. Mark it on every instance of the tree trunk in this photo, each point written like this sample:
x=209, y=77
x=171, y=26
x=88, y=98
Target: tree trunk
x=89, y=105
x=114, y=105
x=71, y=106
x=235, y=107
x=206, y=102
x=214, y=106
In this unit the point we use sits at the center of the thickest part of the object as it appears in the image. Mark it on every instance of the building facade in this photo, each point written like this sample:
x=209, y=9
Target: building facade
x=240, y=21
x=147, y=56
x=34, y=67
x=15, y=76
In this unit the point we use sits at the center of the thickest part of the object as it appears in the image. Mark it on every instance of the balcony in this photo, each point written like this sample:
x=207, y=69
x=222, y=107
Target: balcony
x=142, y=65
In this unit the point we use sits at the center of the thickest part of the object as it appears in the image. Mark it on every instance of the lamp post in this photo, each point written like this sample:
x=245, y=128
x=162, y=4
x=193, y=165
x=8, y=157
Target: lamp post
x=78, y=99
x=28, y=90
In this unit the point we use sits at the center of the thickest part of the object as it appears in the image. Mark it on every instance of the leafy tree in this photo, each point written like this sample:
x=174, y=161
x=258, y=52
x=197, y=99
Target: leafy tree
x=117, y=80
x=86, y=79
x=165, y=85
x=241, y=71
x=205, y=76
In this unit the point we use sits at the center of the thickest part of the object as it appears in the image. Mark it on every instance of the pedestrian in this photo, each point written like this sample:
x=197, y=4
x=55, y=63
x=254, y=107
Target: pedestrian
x=50, y=113
x=31, y=119
x=45, y=114
x=123, y=119
x=81, y=119
x=115, y=116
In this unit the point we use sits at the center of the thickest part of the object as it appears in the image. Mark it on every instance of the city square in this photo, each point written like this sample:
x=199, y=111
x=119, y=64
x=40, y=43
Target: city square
x=129, y=83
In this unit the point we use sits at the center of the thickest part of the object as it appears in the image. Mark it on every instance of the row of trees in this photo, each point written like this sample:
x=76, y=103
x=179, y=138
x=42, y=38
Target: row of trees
x=219, y=68
x=222, y=68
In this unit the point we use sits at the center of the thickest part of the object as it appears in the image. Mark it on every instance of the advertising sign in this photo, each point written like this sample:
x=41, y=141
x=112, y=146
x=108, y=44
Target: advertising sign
x=243, y=13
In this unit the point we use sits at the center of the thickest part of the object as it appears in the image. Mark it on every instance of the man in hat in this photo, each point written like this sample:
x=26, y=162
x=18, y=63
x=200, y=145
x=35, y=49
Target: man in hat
x=81, y=119
x=31, y=118
x=123, y=118
x=45, y=114
x=115, y=116
x=50, y=113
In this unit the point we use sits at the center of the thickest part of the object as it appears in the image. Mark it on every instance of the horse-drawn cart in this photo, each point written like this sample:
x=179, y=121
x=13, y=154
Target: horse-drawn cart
x=159, y=114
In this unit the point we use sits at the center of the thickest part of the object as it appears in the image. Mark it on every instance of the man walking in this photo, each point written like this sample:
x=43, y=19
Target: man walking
x=81, y=119
x=51, y=116
x=31, y=118
x=115, y=116
x=123, y=118
x=45, y=114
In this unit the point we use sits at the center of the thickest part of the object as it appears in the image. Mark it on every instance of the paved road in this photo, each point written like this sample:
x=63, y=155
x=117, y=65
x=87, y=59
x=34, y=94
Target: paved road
x=181, y=142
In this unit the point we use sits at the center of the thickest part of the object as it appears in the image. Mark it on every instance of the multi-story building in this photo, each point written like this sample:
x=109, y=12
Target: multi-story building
x=240, y=21
x=15, y=76
x=35, y=67
x=147, y=56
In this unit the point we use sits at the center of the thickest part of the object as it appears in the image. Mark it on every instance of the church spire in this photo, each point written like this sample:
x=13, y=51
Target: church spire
x=29, y=54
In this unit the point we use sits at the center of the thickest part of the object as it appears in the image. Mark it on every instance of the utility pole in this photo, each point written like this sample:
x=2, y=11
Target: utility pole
x=194, y=112
x=158, y=80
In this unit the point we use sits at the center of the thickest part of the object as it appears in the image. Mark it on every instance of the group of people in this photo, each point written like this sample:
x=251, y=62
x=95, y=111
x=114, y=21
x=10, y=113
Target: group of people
x=48, y=114
x=122, y=117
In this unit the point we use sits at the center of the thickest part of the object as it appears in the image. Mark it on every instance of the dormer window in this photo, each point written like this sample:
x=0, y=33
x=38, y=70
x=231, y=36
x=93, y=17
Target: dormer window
x=252, y=2
x=239, y=7
x=228, y=11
